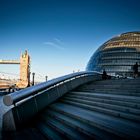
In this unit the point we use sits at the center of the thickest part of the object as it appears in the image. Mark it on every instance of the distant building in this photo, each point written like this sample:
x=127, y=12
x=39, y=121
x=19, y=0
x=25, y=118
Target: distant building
x=24, y=70
x=24, y=62
x=118, y=55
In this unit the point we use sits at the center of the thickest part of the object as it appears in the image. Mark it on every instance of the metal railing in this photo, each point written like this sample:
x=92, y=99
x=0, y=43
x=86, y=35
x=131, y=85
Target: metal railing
x=14, y=97
x=28, y=102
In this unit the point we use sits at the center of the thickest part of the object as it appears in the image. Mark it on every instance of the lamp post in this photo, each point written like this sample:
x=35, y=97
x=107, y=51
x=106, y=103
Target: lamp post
x=33, y=82
x=46, y=77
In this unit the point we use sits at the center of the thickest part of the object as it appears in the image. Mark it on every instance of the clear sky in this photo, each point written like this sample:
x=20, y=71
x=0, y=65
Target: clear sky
x=61, y=35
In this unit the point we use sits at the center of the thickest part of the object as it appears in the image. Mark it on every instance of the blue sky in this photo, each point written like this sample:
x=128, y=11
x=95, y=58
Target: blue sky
x=61, y=35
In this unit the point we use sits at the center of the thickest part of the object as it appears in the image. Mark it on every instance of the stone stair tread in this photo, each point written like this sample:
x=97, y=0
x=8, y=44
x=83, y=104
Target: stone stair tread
x=104, y=110
x=91, y=131
x=48, y=132
x=105, y=105
x=63, y=129
x=114, y=102
x=118, y=90
x=25, y=134
x=117, y=81
x=109, y=123
x=109, y=96
x=110, y=86
x=112, y=92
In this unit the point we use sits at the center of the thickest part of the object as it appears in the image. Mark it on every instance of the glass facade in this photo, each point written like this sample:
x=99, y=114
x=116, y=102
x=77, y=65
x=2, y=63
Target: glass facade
x=118, y=55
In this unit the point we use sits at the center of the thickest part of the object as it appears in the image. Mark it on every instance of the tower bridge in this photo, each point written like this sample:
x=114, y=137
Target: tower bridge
x=9, y=62
x=24, y=63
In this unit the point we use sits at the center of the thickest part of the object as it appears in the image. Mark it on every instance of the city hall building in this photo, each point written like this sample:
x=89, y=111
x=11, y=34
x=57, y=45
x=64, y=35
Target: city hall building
x=118, y=55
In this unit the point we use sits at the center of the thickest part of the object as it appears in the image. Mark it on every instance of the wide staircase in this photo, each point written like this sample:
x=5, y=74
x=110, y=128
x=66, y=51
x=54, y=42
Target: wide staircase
x=106, y=110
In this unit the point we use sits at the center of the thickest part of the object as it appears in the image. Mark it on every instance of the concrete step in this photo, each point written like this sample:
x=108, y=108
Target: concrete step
x=117, y=126
x=90, y=131
x=128, y=110
x=24, y=134
x=131, y=99
x=65, y=130
x=111, y=84
x=107, y=101
x=49, y=132
x=118, y=81
x=115, y=92
x=93, y=86
x=112, y=112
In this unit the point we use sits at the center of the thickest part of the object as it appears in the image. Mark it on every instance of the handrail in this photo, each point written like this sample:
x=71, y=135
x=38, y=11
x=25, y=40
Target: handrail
x=27, y=103
x=22, y=94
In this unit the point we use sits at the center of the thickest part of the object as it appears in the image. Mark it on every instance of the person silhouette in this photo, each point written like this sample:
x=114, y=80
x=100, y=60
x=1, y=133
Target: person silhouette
x=104, y=75
x=135, y=69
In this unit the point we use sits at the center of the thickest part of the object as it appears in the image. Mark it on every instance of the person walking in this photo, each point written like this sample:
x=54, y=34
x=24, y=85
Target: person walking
x=104, y=75
x=135, y=69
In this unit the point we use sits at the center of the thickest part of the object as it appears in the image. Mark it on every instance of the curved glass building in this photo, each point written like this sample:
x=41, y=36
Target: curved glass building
x=118, y=55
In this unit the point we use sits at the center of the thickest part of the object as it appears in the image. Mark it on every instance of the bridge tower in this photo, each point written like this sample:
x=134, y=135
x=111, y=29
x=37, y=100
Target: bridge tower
x=24, y=70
